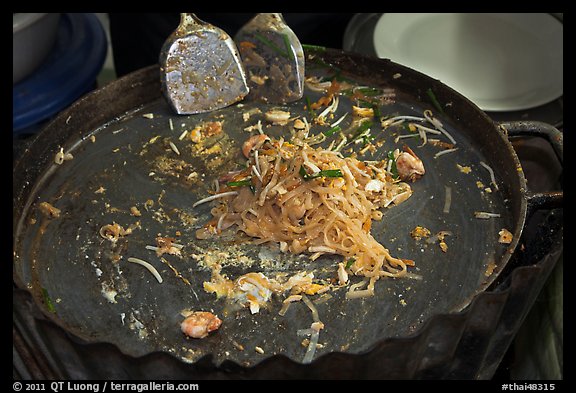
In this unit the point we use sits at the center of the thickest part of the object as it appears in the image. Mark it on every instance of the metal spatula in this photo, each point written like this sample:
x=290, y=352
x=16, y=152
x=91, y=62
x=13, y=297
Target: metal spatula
x=273, y=58
x=201, y=70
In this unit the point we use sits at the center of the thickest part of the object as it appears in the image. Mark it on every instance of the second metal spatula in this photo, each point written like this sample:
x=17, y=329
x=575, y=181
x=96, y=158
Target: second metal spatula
x=200, y=67
x=273, y=59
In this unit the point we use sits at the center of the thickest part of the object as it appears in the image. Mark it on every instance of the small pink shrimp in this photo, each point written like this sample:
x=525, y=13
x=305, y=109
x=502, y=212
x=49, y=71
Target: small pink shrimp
x=254, y=142
x=409, y=166
x=199, y=324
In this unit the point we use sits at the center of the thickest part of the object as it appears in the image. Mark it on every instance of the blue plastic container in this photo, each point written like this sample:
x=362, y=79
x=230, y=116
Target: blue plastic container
x=69, y=72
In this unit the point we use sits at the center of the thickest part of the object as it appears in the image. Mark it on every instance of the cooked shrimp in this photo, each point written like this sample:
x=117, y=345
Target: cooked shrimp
x=254, y=142
x=409, y=166
x=199, y=324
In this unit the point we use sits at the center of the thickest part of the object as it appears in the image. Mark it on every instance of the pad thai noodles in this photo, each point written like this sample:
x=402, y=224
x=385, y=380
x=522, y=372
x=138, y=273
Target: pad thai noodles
x=313, y=200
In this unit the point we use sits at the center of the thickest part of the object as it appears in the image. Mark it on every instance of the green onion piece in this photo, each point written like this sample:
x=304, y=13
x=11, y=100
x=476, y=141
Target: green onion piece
x=332, y=131
x=325, y=173
x=270, y=44
x=349, y=263
x=48, y=301
x=341, y=78
x=318, y=62
x=370, y=91
x=309, y=107
x=330, y=173
x=338, y=77
x=393, y=168
x=313, y=48
x=240, y=183
x=434, y=100
x=377, y=113
x=365, y=104
x=360, y=131
x=368, y=104
x=368, y=139
x=363, y=127
x=288, y=46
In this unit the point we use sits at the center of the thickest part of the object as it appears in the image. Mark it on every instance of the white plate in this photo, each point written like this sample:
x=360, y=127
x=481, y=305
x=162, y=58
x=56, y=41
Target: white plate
x=501, y=62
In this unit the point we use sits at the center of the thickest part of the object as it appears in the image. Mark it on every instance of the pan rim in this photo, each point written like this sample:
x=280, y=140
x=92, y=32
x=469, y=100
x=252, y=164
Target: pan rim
x=149, y=72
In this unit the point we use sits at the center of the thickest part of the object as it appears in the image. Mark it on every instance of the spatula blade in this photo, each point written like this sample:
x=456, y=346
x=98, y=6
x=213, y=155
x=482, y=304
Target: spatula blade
x=273, y=59
x=201, y=69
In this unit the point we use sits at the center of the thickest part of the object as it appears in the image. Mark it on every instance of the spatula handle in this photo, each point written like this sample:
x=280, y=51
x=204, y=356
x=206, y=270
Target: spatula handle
x=270, y=20
x=189, y=22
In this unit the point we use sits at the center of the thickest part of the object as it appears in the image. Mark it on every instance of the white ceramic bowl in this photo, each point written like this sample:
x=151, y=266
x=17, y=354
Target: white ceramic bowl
x=34, y=35
x=501, y=62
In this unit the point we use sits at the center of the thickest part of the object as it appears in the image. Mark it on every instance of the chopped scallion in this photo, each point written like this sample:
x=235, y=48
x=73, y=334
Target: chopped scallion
x=377, y=113
x=434, y=100
x=363, y=127
x=393, y=168
x=270, y=44
x=48, y=301
x=309, y=107
x=288, y=46
x=332, y=131
x=350, y=262
x=362, y=131
x=324, y=173
x=240, y=183
x=374, y=106
x=313, y=48
x=369, y=91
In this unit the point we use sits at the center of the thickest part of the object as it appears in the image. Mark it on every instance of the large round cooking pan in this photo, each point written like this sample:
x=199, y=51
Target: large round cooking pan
x=84, y=283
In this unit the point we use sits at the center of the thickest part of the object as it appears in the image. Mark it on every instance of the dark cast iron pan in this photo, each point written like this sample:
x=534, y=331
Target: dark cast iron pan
x=70, y=270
